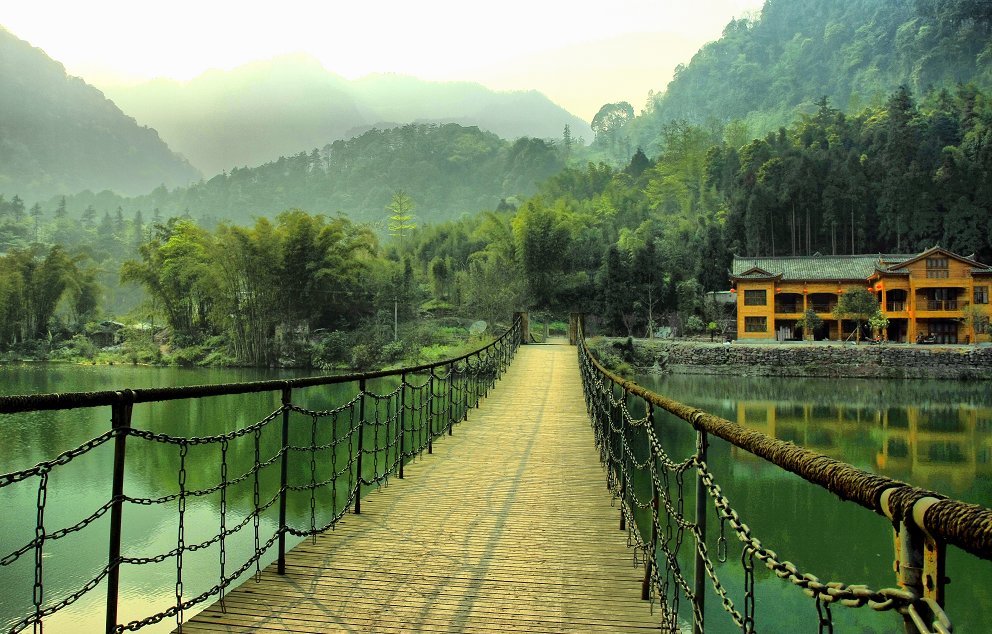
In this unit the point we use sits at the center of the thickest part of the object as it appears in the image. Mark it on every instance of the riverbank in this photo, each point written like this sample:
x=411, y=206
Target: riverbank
x=801, y=359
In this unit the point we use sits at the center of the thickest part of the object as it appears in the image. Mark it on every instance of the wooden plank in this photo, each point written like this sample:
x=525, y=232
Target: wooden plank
x=508, y=527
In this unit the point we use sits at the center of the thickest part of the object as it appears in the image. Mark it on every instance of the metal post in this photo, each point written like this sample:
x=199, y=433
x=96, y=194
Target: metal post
x=430, y=414
x=361, y=445
x=451, y=396
x=652, y=553
x=120, y=417
x=699, y=571
x=919, y=564
x=284, y=479
x=401, y=418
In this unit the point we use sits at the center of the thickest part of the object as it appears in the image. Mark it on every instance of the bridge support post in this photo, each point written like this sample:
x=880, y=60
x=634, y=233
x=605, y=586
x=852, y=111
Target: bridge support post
x=574, y=321
x=699, y=570
x=400, y=420
x=524, y=327
x=361, y=447
x=287, y=398
x=120, y=417
x=919, y=565
x=451, y=398
x=430, y=414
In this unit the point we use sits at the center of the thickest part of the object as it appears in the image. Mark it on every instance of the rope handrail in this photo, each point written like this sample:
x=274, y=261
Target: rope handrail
x=361, y=443
x=924, y=522
x=962, y=524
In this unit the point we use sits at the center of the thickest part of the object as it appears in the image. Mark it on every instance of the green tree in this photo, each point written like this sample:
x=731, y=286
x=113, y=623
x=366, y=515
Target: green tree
x=859, y=305
x=401, y=221
x=810, y=323
x=608, y=122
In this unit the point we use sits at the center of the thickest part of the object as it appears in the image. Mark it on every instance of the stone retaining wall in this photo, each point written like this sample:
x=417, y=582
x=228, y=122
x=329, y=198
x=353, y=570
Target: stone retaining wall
x=818, y=359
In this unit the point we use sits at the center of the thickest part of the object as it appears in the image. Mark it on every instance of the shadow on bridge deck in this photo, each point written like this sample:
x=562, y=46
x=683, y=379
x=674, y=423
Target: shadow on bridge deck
x=508, y=527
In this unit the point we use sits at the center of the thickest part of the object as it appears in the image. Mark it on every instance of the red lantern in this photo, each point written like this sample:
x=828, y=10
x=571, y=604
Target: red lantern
x=733, y=290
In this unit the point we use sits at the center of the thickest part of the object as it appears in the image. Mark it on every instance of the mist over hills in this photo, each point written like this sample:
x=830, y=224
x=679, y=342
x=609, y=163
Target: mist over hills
x=263, y=110
x=59, y=134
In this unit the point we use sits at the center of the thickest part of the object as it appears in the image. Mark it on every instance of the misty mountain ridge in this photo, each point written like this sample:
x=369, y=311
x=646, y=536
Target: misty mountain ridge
x=261, y=110
x=59, y=134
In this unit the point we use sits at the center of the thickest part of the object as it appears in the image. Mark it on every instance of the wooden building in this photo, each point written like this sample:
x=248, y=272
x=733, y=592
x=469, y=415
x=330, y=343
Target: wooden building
x=935, y=296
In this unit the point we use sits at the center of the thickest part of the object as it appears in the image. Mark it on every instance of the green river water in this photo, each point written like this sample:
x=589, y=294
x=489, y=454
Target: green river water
x=933, y=434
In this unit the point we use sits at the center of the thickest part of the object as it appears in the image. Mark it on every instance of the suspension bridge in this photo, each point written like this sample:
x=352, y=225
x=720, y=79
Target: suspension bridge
x=481, y=537
x=472, y=495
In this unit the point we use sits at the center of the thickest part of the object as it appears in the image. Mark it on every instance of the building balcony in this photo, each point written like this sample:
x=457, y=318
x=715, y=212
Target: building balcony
x=788, y=307
x=942, y=305
x=895, y=307
x=823, y=307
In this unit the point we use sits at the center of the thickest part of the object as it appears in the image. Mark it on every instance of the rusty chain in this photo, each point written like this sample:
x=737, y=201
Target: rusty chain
x=602, y=402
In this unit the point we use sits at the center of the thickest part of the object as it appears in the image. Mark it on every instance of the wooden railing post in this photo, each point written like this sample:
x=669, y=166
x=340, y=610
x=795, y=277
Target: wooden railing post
x=524, y=327
x=120, y=418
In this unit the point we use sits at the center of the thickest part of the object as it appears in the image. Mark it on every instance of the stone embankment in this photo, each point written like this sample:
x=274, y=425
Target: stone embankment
x=819, y=359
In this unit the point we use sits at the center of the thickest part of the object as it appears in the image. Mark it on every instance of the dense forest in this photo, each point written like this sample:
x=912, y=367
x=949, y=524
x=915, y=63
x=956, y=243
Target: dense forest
x=766, y=71
x=449, y=169
x=259, y=266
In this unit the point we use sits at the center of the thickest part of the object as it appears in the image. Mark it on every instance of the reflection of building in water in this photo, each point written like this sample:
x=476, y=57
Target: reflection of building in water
x=925, y=447
x=936, y=446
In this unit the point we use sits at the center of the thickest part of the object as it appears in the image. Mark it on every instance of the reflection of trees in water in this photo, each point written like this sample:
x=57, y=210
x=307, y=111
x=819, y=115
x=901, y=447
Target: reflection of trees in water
x=867, y=392
x=930, y=433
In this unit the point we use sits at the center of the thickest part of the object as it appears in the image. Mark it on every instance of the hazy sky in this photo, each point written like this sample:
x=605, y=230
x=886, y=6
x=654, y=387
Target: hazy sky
x=581, y=54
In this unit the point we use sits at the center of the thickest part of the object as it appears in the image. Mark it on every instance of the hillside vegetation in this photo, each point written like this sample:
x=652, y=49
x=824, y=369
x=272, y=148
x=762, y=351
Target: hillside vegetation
x=252, y=114
x=769, y=70
x=634, y=242
x=59, y=134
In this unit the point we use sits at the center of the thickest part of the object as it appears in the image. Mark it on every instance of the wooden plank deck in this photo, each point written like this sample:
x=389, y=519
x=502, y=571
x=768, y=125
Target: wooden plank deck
x=508, y=527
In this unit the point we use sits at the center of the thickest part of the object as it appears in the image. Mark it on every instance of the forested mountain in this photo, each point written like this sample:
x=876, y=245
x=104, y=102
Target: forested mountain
x=446, y=170
x=59, y=134
x=257, y=112
x=769, y=70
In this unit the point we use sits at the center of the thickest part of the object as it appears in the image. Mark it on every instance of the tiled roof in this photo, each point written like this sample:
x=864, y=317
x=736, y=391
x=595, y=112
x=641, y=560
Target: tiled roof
x=818, y=267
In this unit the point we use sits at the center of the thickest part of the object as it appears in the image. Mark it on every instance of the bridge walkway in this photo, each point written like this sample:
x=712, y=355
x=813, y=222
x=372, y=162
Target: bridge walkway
x=508, y=527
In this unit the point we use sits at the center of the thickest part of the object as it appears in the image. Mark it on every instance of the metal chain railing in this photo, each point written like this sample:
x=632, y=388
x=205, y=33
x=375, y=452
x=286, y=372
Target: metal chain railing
x=348, y=450
x=641, y=474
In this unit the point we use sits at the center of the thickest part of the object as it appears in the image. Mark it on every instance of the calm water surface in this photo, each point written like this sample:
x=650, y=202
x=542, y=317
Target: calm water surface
x=934, y=434
x=77, y=489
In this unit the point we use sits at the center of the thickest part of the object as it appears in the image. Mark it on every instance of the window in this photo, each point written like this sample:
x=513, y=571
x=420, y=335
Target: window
x=755, y=298
x=756, y=324
x=937, y=268
x=981, y=294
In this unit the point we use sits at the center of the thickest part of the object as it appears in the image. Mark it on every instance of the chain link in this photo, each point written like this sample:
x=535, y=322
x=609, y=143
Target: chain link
x=181, y=539
x=602, y=403
x=464, y=381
